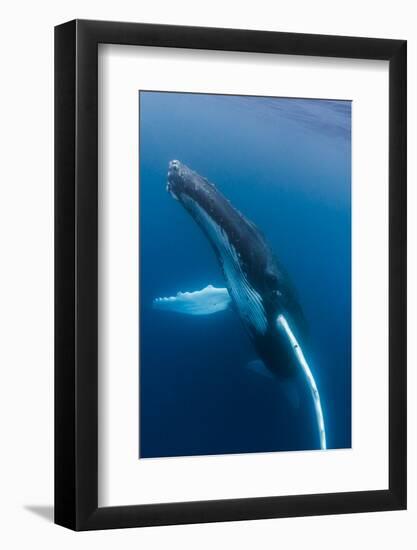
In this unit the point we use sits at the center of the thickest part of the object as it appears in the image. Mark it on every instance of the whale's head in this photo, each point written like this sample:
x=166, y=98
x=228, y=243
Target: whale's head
x=186, y=185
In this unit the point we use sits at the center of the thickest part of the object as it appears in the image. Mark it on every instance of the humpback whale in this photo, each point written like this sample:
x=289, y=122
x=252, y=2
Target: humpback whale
x=258, y=288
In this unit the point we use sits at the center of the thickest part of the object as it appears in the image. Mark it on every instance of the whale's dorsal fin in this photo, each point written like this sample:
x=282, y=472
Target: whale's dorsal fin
x=206, y=301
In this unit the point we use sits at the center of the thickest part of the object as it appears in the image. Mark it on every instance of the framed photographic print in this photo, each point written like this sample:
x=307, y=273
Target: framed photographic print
x=230, y=275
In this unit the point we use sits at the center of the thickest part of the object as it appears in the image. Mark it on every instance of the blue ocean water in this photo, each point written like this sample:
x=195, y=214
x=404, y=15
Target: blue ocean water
x=286, y=165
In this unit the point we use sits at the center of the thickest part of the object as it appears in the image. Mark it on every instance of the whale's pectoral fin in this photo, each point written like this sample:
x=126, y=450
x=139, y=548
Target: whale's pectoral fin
x=285, y=329
x=206, y=301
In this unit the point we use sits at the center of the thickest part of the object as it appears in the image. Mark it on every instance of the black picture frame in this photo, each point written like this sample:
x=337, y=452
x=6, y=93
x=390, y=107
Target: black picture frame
x=76, y=272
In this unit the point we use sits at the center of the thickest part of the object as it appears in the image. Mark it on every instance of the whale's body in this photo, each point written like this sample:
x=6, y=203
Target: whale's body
x=258, y=288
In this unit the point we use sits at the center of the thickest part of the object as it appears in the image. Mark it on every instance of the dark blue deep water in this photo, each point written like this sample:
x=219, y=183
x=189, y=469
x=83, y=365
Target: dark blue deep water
x=286, y=165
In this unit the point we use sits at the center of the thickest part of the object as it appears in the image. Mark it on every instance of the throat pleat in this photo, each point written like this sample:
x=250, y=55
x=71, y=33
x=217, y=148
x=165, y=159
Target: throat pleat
x=246, y=298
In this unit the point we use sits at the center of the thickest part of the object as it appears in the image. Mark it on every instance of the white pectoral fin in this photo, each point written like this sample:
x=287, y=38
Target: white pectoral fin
x=282, y=325
x=206, y=301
